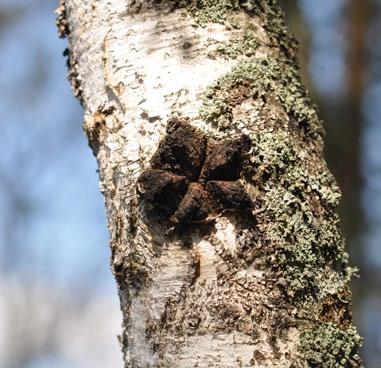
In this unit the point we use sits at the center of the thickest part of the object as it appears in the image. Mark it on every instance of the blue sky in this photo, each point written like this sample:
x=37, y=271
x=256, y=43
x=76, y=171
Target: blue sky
x=53, y=239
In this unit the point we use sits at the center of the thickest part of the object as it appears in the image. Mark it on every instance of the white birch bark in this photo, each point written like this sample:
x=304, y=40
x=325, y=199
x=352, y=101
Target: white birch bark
x=271, y=295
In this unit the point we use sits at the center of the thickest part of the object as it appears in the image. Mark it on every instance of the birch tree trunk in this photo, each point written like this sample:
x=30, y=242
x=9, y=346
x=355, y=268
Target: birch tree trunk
x=225, y=240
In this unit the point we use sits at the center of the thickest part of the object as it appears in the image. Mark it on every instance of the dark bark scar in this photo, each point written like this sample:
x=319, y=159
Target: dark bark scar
x=192, y=178
x=95, y=128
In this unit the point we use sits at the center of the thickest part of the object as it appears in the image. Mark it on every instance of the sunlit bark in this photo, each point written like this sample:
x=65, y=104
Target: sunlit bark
x=255, y=273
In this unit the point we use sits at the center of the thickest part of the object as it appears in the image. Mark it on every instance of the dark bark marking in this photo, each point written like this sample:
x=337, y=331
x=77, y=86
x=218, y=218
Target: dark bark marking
x=239, y=94
x=73, y=75
x=61, y=20
x=95, y=128
x=336, y=309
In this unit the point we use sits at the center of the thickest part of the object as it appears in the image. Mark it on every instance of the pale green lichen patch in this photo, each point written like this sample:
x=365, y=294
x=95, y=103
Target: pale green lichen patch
x=259, y=77
x=272, y=18
x=213, y=11
x=302, y=244
x=298, y=219
x=224, y=12
x=327, y=346
x=237, y=46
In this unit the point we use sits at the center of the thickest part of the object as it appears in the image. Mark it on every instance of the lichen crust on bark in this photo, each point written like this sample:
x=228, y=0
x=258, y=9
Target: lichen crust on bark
x=258, y=275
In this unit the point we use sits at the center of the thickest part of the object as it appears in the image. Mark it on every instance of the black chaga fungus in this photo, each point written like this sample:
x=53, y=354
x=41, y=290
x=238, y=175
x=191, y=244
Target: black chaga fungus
x=195, y=206
x=231, y=195
x=162, y=191
x=182, y=151
x=224, y=160
x=191, y=179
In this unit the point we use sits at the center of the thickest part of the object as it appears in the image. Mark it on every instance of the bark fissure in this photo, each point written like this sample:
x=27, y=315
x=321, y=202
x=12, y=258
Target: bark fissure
x=258, y=275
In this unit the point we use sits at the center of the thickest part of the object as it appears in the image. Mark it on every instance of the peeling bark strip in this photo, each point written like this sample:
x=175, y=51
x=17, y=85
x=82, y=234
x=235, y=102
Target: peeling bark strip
x=199, y=122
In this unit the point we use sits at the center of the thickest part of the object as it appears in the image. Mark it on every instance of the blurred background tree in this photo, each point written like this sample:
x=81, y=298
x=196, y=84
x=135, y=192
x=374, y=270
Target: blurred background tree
x=58, y=305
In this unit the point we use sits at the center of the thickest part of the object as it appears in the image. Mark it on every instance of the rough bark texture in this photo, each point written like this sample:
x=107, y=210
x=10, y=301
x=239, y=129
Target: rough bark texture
x=222, y=213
